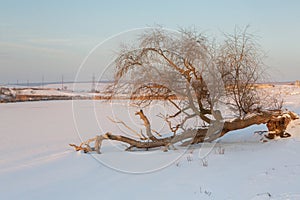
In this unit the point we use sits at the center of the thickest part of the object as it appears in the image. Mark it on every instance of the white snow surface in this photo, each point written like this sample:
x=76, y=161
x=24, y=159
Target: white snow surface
x=37, y=163
x=50, y=92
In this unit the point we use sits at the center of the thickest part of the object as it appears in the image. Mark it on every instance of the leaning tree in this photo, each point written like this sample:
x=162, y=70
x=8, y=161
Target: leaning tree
x=214, y=84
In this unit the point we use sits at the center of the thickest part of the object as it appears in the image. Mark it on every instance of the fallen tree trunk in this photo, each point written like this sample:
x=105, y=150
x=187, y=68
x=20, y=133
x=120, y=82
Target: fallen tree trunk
x=277, y=126
x=276, y=121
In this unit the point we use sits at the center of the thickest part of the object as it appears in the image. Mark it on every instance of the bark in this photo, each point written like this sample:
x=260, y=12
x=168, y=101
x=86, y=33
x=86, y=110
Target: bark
x=277, y=126
x=146, y=124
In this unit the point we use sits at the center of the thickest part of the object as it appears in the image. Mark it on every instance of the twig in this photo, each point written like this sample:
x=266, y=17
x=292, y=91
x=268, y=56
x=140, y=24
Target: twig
x=141, y=136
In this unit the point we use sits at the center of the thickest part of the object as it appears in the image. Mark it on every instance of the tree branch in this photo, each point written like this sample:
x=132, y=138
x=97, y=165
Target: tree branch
x=147, y=125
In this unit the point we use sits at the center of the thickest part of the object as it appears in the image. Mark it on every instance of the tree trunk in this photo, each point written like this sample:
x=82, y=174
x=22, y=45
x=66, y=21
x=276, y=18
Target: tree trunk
x=276, y=121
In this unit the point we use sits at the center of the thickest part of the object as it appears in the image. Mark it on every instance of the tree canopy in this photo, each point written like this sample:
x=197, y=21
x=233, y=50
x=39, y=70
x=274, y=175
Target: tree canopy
x=200, y=78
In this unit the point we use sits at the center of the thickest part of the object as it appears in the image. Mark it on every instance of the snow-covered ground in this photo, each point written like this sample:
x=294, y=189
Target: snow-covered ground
x=14, y=93
x=37, y=163
x=76, y=87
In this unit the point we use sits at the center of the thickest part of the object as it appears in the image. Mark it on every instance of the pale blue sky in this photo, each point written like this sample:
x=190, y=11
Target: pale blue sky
x=51, y=38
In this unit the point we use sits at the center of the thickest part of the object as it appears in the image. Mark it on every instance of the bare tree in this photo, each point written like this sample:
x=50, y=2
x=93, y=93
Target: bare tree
x=196, y=77
x=240, y=61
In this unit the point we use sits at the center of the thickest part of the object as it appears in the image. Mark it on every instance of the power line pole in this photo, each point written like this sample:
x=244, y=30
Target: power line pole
x=93, y=84
x=43, y=81
x=62, y=82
